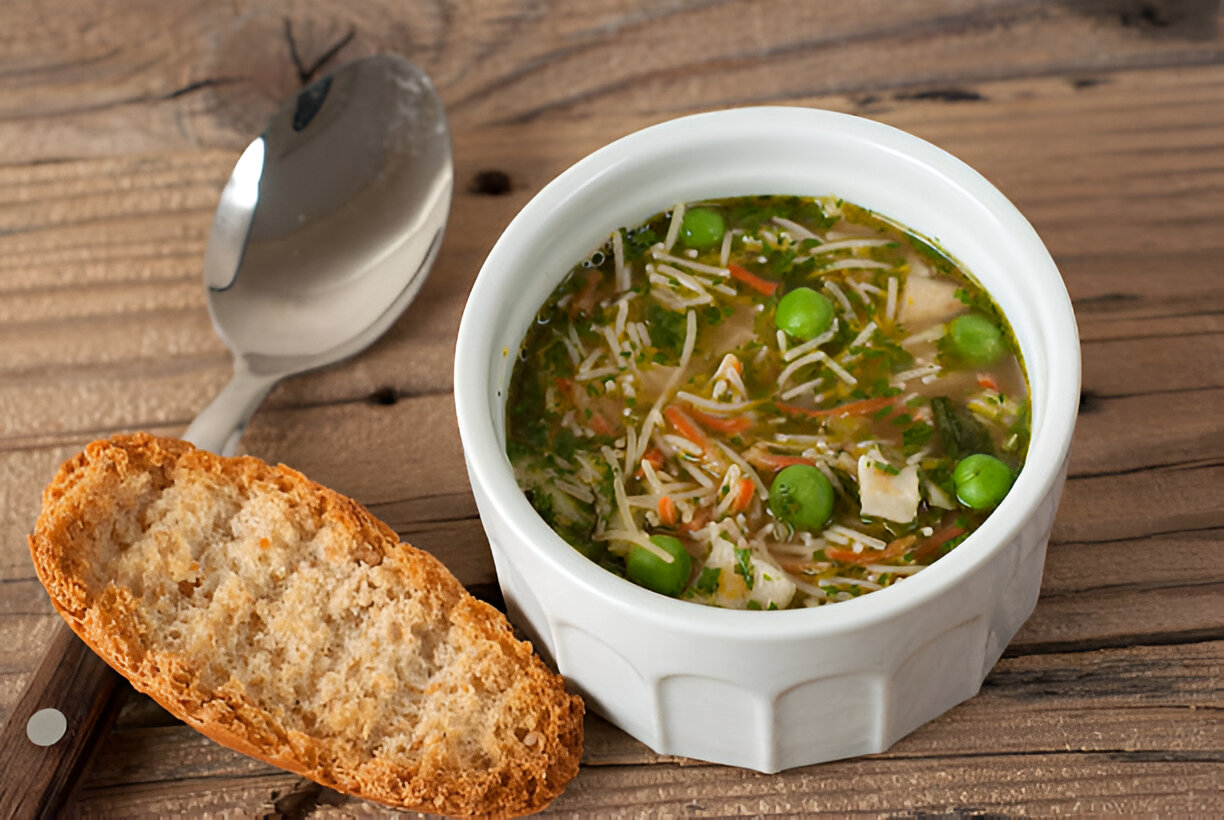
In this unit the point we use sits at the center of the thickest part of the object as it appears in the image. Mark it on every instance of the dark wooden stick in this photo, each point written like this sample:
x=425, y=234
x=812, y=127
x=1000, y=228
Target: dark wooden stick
x=72, y=679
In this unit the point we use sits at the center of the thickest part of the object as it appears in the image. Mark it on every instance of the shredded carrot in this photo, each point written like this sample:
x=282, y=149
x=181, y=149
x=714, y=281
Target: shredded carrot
x=733, y=425
x=600, y=424
x=743, y=495
x=736, y=364
x=655, y=456
x=869, y=556
x=775, y=461
x=984, y=380
x=854, y=408
x=667, y=511
x=584, y=299
x=753, y=281
x=686, y=427
x=927, y=549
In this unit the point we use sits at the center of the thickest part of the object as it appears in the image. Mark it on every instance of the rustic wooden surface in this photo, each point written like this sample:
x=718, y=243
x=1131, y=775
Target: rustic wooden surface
x=1103, y=120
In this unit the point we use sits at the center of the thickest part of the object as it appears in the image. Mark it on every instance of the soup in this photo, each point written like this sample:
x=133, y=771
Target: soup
x=767, y=402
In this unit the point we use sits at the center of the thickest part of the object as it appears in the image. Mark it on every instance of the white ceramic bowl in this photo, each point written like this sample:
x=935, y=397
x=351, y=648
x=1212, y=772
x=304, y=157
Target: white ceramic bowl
x=770, y=690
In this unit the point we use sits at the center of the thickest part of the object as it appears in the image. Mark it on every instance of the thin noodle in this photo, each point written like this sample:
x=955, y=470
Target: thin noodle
x=690, y=340
x=673, y=230
x=799, y=232
x=722, y=272
x=618, y=255
x=849, y=244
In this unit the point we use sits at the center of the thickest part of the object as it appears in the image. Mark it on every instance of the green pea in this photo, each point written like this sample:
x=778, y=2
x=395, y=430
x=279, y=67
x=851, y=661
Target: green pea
x=648, y=570
x=804, y=314
x=701, y=228
x=981, y=481
x=802, y=496
x=976, y=338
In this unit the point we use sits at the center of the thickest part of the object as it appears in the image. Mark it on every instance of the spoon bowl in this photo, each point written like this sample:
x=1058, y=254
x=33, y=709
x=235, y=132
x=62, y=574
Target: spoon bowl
x=325, y=231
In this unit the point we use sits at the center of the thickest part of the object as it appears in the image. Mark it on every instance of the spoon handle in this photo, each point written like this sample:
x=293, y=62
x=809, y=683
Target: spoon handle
x=219, y=426
x=50, y=735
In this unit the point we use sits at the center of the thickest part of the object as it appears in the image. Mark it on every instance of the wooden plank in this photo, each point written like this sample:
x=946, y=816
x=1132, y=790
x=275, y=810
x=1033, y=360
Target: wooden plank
x=1176, y=499
x=198, y=74
x=1047, y=784
x=1099, y=716
x=1123, y=433
x=1038, y=784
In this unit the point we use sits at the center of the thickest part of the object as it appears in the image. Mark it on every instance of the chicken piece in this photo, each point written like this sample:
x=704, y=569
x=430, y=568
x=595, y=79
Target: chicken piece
x=926, y=301
x=888, y=492
x=770, y=586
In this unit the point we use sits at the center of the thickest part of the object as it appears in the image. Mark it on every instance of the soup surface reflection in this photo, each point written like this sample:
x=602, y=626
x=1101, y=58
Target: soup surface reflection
x=767, y=402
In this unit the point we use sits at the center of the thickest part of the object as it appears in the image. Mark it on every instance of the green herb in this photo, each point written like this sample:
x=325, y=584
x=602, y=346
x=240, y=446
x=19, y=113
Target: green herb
x=743, y=565
x=951, y=543
x=707, y=581
x=667, y=329
x=638, y=242
x=544, y=505
x=885, y=467
x=753, y=605
x=962, y=434
x=916, y=436
x=714, y=314
x=882, y=412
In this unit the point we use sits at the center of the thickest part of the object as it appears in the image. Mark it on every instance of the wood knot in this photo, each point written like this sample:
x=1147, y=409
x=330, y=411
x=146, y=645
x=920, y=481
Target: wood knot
x=491, y=182
x=385, y=396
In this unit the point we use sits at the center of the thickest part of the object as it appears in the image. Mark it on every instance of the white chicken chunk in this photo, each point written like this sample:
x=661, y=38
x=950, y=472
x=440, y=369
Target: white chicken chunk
x=926, y=301
x=887, y=493
x=770, y=586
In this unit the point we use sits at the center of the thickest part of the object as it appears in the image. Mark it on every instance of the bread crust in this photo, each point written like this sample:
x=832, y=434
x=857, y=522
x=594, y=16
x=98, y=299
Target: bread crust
x=86, y=497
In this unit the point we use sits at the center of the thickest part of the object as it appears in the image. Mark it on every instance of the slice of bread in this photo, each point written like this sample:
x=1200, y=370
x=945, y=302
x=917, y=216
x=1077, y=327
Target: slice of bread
x=283, y=620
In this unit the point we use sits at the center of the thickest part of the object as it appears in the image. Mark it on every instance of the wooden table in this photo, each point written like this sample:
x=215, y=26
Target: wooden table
x=1103, y=120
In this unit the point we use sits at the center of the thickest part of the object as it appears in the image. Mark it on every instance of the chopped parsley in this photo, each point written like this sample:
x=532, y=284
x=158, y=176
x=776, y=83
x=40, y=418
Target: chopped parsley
x=743, y=565
x=707, y=581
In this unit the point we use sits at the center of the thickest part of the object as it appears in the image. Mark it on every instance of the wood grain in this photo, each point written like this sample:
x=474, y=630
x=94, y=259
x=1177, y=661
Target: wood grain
x=1103, y=120
x=1068, y=713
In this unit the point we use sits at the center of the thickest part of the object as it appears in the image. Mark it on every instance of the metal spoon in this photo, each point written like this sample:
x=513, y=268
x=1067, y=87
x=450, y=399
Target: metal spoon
x=324, y=233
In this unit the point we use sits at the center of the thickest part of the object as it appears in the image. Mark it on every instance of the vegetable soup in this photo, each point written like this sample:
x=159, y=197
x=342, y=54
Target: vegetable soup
x=767, y=402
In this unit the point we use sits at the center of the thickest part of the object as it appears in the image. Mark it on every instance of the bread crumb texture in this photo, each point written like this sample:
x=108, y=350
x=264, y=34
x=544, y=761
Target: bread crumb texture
x=284, y=620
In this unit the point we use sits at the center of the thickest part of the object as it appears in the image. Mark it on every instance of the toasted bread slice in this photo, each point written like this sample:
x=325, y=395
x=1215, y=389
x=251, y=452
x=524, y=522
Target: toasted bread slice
x=283, y=620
